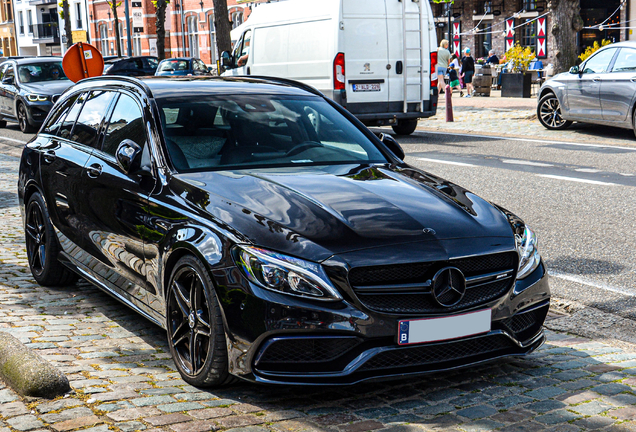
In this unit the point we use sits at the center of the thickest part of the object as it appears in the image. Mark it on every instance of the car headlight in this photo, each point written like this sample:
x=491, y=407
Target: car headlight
x=284, y=274
x=37, y=98
x=526, y=242
x=527, y=247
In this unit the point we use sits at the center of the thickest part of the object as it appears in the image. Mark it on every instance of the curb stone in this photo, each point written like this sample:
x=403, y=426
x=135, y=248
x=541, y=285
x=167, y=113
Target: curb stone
x=27, y=373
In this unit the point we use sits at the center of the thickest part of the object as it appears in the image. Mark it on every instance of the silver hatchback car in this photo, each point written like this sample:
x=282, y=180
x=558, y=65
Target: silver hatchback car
x=601, y=90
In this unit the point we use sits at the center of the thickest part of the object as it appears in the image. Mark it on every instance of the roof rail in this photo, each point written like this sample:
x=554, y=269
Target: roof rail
x=131, y=80
x=285, y=81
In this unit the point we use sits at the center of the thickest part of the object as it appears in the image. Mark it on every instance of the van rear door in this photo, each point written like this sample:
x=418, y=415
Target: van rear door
x=408, y=27
x=366, y=56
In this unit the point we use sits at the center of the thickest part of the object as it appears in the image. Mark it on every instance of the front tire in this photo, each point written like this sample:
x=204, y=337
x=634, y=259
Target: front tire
x=23, y=120
x=549, y=113
x=405, y=127
x=42, y=247
x=195, y=326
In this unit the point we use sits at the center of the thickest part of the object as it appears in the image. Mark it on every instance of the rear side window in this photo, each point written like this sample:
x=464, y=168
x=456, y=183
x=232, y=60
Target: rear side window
x=58, y=116
x=68, y=122
x=86, y=128
x=152, y=62
x=126, y=122
x=625, y=61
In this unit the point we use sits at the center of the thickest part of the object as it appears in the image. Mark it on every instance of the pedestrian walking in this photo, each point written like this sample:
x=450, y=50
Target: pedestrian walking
x=468, y=70
x=443, y=57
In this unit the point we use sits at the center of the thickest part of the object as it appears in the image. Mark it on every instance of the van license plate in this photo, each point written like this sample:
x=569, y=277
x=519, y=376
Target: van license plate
x=366, y=87
x=439, y=329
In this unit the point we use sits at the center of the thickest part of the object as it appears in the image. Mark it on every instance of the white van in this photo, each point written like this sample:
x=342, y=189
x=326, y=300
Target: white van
x=374, y=57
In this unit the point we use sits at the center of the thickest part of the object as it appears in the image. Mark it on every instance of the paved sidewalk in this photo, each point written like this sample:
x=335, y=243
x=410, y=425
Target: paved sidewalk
x=516, y=117
x=124, y=380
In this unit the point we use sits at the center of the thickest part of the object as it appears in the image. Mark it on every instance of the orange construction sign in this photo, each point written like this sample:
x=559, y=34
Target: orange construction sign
x=81, y=61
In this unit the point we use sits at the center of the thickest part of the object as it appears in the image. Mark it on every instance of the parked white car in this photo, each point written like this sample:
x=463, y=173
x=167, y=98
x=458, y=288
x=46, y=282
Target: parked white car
x=376, y=58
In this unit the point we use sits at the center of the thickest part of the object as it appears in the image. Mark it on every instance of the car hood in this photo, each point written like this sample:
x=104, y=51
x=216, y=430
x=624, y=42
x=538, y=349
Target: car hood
x=46, y=87
x=317, y=212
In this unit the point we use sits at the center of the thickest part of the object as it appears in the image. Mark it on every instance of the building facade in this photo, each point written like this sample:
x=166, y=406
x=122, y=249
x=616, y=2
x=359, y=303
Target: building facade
x=482, y=25
x=7, y=29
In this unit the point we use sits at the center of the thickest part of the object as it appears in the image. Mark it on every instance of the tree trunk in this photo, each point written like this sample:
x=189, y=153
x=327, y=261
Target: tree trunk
x=161, y=28
x=566, y=23
x=116, y=24
x=67, y=24
x=222, y=26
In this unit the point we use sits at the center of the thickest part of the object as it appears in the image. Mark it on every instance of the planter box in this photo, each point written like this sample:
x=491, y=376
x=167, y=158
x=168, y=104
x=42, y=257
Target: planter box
x=516, y=85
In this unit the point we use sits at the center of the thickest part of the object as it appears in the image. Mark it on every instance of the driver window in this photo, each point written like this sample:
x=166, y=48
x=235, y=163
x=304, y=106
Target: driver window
x=237, y=50
x=625, y=61
x=245, y=49
x=600, y=62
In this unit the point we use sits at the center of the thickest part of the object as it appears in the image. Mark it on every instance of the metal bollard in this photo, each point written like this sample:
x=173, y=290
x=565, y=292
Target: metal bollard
x=449, y=104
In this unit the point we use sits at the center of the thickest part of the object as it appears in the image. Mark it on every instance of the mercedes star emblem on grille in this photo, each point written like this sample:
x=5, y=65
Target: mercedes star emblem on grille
x=449, y=286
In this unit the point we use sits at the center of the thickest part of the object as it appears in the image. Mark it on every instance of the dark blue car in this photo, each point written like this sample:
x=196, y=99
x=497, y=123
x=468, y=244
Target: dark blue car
x=181, y=67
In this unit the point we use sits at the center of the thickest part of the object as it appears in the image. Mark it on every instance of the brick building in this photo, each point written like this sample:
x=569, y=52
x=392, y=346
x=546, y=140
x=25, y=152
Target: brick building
x=482, y=25
x=189, y=28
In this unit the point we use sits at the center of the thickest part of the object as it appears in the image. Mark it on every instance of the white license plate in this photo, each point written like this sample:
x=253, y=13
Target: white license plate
x=440, y=329
x=366, y=87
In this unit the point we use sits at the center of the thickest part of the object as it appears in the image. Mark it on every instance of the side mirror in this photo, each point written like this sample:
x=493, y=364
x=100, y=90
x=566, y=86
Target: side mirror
x=574, y=70
x=226, y=59
x=128, y=156
x=8, y=80
x=392, y=145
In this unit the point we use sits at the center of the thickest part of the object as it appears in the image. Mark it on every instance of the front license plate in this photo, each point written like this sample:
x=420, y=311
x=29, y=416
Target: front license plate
x=440, y=329
x=366, y=87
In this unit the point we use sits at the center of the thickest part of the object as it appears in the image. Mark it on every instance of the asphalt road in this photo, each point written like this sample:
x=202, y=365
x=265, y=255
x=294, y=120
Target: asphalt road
x=579, y=198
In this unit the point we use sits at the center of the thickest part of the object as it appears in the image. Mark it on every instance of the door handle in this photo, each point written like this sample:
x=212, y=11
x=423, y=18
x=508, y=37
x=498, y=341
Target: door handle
x=94, y=170
x=248, y=70
x=49, y=156
x=399, y=67
x=633, y=79
x=596, y=79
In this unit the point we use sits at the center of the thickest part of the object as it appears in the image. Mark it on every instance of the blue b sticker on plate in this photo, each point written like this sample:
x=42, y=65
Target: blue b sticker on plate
x=404, y=332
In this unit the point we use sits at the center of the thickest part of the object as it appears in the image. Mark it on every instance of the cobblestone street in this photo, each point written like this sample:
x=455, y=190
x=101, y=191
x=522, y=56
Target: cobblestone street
x=124, y=380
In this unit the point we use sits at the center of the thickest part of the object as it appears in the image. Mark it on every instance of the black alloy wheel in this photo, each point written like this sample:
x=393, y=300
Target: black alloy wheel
x=42, y=247
x=405, y=127
x=23, y=119
x=549, y=113
x=195, y=325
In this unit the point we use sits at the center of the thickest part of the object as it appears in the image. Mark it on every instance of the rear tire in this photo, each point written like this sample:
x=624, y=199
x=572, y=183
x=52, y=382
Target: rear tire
x=405, y=127
x=196, y=334
x=549, y=113
x=42, y=246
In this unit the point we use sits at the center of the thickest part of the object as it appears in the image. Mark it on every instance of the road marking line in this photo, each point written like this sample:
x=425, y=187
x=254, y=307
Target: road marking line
x=446, y=162
x=587, y=170
x=578, y=180
x=12, y=139
x=583, y=281
x=529, y=140
x=522, y=162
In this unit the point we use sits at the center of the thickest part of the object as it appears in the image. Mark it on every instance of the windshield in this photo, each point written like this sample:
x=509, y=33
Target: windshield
x=39, y=72
x=259, y=131
x=174, y=65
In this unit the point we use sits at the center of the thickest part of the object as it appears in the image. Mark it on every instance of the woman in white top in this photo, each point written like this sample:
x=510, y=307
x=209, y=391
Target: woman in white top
x=443, y=56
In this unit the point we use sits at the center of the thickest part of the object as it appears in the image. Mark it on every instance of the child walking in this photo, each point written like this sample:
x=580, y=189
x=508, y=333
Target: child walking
x=454, y=80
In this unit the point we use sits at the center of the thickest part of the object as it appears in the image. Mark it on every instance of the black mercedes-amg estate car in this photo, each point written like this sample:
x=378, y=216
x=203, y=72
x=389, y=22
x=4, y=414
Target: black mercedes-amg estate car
x=272, y=235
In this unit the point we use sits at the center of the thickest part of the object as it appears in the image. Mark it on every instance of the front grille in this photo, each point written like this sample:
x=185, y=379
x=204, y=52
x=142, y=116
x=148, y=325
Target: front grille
x=395, y=274
x=55, y=97
x=418, y=303
x=438, y=353
x=378, y=287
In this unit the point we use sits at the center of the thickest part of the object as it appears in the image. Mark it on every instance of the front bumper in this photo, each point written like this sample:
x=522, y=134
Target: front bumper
x=276, y=339
x=37, y=112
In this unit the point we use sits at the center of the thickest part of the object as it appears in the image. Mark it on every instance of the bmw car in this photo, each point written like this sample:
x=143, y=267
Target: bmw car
x=602, y=90
x=272, y=235
x=28, y=89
